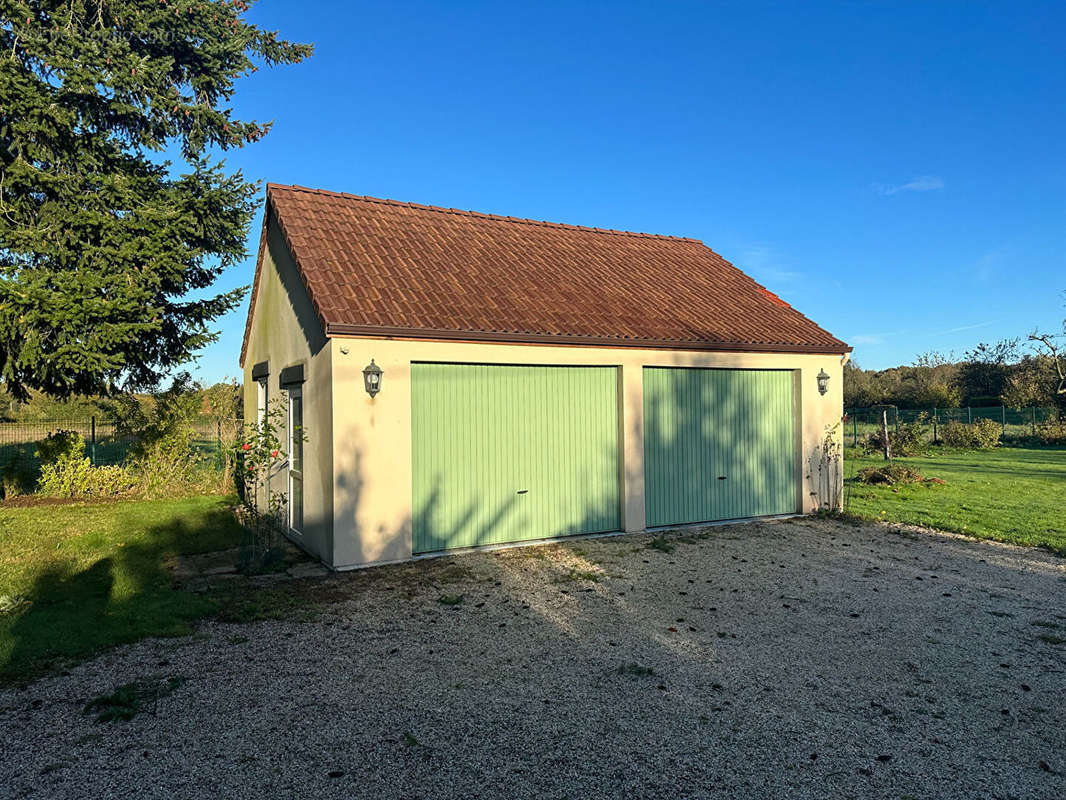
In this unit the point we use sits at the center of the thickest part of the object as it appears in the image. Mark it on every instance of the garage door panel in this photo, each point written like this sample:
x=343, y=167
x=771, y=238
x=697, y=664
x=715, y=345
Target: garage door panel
x=719, y=444
x=511, y=453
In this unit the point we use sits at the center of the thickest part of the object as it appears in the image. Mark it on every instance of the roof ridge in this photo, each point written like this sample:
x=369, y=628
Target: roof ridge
x=478, y=214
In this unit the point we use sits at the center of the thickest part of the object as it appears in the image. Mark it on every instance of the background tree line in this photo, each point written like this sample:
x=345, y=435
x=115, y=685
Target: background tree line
x=1010, y=372
x=222, y=399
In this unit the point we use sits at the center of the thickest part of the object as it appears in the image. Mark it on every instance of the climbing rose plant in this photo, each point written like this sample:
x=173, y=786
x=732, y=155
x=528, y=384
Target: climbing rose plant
x=260, y=456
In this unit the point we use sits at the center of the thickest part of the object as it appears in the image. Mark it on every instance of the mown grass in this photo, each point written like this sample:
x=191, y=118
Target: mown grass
x=1009, y=494
x=75, y=579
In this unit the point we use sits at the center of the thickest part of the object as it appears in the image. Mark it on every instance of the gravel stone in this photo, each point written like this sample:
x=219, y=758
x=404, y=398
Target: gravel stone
x=793, y=658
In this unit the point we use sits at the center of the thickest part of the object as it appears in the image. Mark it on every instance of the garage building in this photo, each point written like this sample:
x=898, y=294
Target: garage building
x=465, y=380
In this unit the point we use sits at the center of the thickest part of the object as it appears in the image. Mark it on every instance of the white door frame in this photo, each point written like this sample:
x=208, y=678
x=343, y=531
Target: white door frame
x=295, y=470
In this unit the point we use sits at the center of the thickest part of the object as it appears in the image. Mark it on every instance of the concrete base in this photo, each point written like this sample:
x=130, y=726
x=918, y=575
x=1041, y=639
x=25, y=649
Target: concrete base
x=558, y=539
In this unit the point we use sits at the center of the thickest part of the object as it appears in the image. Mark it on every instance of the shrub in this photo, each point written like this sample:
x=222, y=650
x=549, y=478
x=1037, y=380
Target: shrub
x=979, y=435
x=908, y=440
x=164, y=458
x=60, y=445
x=956, y=434
x=1052, y=432
x=67, y=472
x=987, y=433
x=169, y=416
x=18, y=475
x=164, y=466
x=77, y=477
x=226, y=402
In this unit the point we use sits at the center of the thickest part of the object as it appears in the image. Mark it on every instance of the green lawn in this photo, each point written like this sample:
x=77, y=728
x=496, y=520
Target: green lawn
x=77, y=578
x=1009, y=494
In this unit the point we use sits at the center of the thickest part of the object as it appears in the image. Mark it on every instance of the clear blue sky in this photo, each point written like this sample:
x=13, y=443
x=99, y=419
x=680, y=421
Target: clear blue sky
x=896, y=171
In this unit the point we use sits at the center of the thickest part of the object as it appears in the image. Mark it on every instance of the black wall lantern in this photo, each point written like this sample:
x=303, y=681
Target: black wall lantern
x=823, y=382
x=372, y=378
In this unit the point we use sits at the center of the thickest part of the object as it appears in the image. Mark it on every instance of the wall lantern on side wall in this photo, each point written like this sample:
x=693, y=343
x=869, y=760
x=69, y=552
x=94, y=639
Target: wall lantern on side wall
x=823, y=382
x=372, y=378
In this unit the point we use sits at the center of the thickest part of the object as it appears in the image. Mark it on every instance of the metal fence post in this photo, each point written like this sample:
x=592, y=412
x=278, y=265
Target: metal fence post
x=969, y=415
x=1003, y=416
x=884, y=434
x=92, y=440
x=855, y=430
x=1032, y=415
x=218, y=444
x=934, y=424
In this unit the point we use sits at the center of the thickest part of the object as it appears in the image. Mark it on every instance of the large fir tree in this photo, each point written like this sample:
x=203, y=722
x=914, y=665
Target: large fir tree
x=104, y=246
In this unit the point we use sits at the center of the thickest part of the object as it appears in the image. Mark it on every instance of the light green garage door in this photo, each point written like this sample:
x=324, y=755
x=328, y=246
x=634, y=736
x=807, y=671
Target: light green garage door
x=511, y=453
x=718, y=444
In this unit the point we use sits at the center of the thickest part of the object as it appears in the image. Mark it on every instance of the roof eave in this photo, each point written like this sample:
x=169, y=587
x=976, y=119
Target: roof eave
x=513, y=337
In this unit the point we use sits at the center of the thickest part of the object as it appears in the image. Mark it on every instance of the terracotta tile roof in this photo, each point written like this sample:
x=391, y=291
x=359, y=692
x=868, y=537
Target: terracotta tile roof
x=380, y=267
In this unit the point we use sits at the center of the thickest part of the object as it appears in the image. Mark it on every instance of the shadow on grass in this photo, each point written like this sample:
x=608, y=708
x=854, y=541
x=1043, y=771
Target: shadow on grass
x=126, y=595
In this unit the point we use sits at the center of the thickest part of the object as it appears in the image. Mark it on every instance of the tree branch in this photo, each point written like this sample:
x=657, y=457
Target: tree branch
x=1048, y=341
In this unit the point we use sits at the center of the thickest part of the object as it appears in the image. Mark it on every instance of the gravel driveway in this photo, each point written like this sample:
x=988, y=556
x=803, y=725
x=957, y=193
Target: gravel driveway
x=799, y=658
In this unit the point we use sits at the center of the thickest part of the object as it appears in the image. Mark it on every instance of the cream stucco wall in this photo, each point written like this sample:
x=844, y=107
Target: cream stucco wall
x=286, y=332
x=372, y=492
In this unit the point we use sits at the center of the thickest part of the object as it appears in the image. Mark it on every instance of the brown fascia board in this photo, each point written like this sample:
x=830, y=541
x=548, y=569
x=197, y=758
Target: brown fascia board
x=424, y=334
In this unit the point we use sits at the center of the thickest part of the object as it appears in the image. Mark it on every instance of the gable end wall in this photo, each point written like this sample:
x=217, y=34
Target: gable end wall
x=285, y=332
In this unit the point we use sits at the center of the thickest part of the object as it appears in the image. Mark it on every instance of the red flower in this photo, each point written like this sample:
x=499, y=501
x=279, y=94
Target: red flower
x=251, y=468
x=274, y=453
x=246, y=446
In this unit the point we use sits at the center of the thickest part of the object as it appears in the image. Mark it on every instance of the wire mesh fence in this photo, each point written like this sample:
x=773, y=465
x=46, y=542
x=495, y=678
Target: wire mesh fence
x=1018, y=423
x=105, y=443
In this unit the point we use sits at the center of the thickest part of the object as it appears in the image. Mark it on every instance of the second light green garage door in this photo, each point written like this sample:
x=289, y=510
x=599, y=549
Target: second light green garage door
x=512, y=453
x=718, y=444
